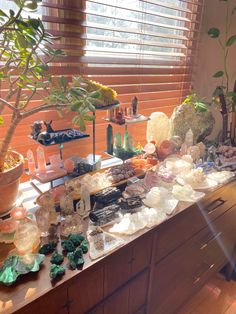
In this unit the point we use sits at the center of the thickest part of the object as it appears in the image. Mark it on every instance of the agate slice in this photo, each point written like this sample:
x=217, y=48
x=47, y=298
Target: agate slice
x=161, y=199
x=15, y=265
x=185, y=193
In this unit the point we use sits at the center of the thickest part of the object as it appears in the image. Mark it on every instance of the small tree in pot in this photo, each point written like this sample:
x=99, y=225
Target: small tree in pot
x=26, y=48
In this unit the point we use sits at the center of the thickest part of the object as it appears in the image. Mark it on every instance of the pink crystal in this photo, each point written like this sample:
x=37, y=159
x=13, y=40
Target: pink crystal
x=41, y=160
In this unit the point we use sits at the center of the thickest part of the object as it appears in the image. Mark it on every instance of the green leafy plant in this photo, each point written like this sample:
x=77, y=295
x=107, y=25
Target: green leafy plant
x=26, y=49
x=225, y=40
x=198, y=103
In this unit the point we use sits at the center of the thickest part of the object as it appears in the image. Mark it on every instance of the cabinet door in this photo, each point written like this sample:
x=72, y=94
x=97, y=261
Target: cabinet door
x=138, y=292
x=55, y=302
x=142, y=249
x=117, y=303
x=87, y=291
x=117, y=269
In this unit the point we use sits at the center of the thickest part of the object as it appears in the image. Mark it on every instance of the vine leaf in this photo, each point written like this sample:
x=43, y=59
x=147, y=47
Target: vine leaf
x=218, y=74
x=213, y=32
x=1, y=120
x=2, y=13
x=230, y=41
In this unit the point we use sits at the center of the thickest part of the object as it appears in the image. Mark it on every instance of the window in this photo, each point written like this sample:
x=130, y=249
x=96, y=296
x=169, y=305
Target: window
x=142, y=48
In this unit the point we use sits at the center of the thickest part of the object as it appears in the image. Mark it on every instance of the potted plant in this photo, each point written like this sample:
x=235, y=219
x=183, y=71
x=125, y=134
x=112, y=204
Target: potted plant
x=222, y=93
x=25, y=51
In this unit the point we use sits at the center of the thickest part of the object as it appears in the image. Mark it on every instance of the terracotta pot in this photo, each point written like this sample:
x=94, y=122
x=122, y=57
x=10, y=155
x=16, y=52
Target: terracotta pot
x=9, y=186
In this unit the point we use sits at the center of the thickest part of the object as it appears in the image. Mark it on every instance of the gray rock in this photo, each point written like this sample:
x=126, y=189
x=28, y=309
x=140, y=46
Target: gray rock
x=186, y=117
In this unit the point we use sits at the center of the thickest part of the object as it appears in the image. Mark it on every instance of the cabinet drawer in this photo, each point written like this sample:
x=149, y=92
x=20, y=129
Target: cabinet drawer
x=184, y=271
x=186, y=224
x=218, y=240
x=217, y=202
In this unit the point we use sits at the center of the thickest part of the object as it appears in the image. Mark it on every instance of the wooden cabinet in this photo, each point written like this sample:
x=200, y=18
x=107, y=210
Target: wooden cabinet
x=155, y=272
x=176, y=277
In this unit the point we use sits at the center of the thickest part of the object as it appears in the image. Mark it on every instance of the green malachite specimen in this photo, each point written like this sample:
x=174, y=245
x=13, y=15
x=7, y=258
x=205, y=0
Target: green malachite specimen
x=48, y=248
x=56, y=271
x=68, y=245
x=75, y=258
x=57, y=258
x=84, y=246
x=16, y=265
x=76, y=238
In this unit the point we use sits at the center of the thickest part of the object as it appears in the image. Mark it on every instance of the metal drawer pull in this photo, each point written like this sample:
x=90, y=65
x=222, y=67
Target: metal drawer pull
x=214, y=205
x=213, y=238
x=198, y=277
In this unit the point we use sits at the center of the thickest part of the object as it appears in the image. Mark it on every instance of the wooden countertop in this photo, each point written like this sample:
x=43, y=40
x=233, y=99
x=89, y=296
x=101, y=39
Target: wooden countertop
x=34, y=285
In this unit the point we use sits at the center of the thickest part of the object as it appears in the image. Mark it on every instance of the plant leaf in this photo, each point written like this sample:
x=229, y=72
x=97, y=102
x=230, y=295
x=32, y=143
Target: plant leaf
x=1, y=120
x=230, y=94
x=218, y=74
x=200, y=106
x=214, y=32
x=63, y=81
x=89, y=118
x=230, y=41
x=95, y=94
x=2, y=13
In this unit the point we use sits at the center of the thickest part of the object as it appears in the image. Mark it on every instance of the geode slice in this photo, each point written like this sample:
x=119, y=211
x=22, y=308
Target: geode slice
x=186, y=117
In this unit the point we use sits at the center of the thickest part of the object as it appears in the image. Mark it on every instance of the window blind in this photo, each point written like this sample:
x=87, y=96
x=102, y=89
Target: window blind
x=143, y=48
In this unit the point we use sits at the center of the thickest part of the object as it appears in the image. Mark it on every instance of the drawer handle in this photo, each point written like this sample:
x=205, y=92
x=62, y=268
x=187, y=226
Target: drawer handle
x=214, y=205
x=197, y=278
x=213, y=238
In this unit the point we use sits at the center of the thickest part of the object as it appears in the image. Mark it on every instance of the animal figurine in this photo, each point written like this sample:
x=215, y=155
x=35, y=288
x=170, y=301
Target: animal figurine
x=49, y=128
x=36, y=128
x=45, y=138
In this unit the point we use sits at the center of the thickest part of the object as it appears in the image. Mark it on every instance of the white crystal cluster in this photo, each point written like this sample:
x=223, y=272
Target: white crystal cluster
x=131, y=223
